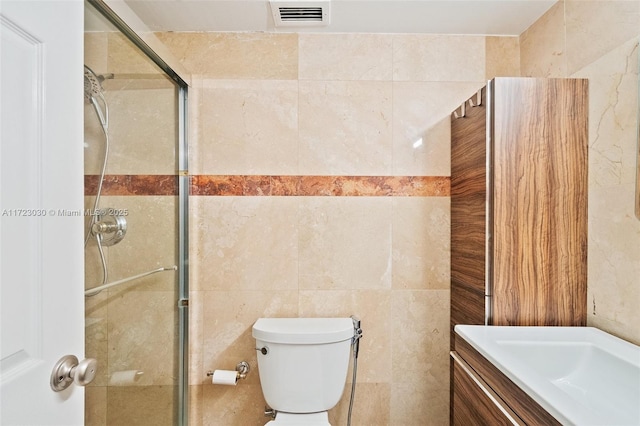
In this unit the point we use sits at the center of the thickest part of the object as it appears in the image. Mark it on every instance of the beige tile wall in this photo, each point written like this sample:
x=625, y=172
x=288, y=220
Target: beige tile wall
x=326, y=104
x=598, y=40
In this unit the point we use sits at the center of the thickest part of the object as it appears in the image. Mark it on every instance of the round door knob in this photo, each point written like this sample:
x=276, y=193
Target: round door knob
x=84, y=372
x=68, y=370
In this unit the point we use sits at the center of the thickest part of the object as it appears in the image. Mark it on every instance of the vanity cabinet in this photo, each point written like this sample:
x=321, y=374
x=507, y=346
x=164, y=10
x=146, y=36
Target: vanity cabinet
x=476, y=403
x=485, y=396
x=518, y=210
x=519, y=204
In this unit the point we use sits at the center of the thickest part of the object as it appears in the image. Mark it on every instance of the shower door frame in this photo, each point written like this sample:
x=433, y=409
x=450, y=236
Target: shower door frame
x=183, y=204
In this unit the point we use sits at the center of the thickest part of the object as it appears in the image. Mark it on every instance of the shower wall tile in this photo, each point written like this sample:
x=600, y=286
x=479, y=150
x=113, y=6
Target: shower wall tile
x=421, y=249
x=141, y=141
x=125, y=58
x=193, y=126
x=247, y=127
x=246, y=243
x=147, y=405
x=94, y=141
x=425, y=57
x=96, y=343
x=259, y=56
x=421, y=125
x=151, y=345
x=502, y=57
x=149, y=243
x=345, y=243
x=594, y=28
x=373, y=307
x=95, y=51
x=322, y=57
x=345, y=127
x=95, y=399
x=542, y=45
x=144, y=185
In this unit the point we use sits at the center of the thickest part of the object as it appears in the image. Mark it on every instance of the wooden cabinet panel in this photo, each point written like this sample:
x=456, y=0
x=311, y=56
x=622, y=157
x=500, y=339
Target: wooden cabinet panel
x=468, y=240
x=467, y=306
x=468, y=218
x=539, y=138
x=528, y=410
x=474, y=402
x=519, y=202
x=469, y=150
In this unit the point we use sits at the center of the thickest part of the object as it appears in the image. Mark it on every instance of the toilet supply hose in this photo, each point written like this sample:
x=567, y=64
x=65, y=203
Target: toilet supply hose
x=355, y=343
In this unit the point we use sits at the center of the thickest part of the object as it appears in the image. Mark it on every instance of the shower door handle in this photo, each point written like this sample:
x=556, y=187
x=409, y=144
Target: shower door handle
x=69, y=370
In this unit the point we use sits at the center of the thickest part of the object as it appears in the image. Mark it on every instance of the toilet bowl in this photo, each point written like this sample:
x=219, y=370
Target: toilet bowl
x=303, y=364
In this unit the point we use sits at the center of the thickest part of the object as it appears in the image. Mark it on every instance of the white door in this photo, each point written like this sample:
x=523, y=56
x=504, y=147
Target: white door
x=41, y=185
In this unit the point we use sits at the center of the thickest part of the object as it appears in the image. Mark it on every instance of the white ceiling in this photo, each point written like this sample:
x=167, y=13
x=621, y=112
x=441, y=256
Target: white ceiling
x=491, y=17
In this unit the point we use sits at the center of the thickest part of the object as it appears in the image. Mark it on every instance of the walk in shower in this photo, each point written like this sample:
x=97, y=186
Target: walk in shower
x=135, y=228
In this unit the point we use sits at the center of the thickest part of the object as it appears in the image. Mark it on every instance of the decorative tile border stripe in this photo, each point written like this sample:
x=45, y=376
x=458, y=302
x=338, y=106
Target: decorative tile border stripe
x=132, y=185
x=331, y=186
x=258, y=185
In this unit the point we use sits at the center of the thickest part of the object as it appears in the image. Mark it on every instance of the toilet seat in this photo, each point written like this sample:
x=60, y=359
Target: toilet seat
x=306, y=419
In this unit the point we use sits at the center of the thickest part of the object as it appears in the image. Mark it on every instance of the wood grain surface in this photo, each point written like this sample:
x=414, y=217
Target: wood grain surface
x=534, y=238
x=475, y=402
x=540, y=137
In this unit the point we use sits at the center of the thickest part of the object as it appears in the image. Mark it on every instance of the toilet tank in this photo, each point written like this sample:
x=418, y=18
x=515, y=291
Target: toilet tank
x=305, y=367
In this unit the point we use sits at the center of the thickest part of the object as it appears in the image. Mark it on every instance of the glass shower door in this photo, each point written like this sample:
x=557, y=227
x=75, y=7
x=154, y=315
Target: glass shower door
x=135, y=222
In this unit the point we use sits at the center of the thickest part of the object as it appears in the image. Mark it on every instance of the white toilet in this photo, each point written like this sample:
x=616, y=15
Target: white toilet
x=303, y=365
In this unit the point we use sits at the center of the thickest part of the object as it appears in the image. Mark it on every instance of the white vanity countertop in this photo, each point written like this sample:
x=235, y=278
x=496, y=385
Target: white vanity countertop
x=580, y=375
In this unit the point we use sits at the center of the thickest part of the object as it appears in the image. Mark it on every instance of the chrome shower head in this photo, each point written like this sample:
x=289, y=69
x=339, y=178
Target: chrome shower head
x=92, y=84
x=94, y=94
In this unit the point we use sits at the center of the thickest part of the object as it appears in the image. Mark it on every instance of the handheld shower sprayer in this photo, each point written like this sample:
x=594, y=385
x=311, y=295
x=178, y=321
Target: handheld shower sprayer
x=357, y=335
x=355, y=342
x=93, y=91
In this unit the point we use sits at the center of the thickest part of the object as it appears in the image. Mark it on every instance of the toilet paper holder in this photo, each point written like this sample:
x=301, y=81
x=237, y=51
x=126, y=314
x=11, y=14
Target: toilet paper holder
x=242, y=369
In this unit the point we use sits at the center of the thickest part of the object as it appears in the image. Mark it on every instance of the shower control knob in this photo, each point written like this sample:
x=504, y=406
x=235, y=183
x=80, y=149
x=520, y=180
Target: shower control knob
x=68, y=370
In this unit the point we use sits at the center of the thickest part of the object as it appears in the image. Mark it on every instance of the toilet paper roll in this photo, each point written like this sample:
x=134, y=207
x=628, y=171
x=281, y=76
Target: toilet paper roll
x=225, y=377
x=126, y=377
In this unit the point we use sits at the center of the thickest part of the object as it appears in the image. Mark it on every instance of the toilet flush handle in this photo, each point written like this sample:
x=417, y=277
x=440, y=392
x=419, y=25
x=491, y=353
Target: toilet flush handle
x=264, y=350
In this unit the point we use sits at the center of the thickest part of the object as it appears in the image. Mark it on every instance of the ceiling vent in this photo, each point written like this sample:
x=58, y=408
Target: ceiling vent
x=301, y=13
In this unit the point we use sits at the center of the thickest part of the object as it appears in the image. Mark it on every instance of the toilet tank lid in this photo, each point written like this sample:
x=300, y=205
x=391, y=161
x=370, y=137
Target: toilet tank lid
x=303, y=331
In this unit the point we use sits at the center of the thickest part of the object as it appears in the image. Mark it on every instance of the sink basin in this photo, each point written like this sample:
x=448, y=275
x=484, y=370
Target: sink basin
x=580, y=375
